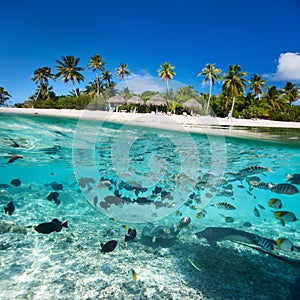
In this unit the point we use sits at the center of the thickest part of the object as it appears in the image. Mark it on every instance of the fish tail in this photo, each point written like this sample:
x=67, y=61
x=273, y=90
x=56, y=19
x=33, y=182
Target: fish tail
x=282, y=222
x=65, y=224
x=5, y=210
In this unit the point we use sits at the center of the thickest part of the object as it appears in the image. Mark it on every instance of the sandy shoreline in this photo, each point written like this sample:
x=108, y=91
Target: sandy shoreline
x=197, y=124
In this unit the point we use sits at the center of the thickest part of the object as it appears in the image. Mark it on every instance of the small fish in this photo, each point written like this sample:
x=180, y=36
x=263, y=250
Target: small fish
x=260, y=206
x=131, y=234
x=285, y=244
x=247, y=224
x=194, y=207
x=224, y=205
x=4, y=186
x=109, y=246
x=254, y=170
x=264, y=243
x=48, y=227
x=10, y=208
x=295, y=178
x=16, y=182
x=285, y=216
x=229, y=219
x=125, y=226
x=275, y=203
x=13, y=158
x=178, y=213
x=256, y=212
x=53, y=197
x=259, y=185
x=201, y=214
x=133, y=274
x=283, y=188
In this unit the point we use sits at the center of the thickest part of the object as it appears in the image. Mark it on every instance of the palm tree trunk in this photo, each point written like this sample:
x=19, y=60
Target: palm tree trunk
x=232, y=106
x=210, y=91
x=167, y=82
x=38, y=93
x=74, y=89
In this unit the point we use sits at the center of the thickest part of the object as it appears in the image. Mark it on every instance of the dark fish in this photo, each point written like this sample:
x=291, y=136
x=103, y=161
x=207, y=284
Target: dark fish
x=56, y=186
x=54, y=197
x=264, y=242
x=247, y=224
x=4, y=186
x=157, y=190
x=295, y=178
x=260, y=206
x=284, y=188
x=16, y=182
x=48, y=227
x=109, y=246
x=13, y=158
x=256, y=212
x=10, y=208
x=131, y=234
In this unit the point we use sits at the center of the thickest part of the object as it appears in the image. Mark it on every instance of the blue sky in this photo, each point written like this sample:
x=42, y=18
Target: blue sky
x=262, y=36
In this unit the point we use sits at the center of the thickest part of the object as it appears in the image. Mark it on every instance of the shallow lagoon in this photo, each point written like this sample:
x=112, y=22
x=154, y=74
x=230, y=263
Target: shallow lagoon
x=69, y=265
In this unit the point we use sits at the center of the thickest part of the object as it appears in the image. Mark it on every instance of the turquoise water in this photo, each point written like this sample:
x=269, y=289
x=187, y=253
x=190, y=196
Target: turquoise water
x=114, y=175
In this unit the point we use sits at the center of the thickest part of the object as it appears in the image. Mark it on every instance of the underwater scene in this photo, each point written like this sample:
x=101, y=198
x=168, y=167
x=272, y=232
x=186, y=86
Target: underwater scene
x=99, y=210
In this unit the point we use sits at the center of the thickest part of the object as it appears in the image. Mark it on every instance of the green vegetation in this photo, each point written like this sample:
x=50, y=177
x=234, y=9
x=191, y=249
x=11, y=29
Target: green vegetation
x=243, y=97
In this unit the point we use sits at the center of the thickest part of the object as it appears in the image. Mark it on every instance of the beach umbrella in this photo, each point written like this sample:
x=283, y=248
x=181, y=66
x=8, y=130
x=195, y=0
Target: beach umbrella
x=136, y=101
x=156, y=101
x=191, y=105
x=116, y=101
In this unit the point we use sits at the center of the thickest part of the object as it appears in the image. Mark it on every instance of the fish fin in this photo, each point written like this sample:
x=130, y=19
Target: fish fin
x=5, y=209
x=101, y=244
x=282, y=222
x=65, y=224
x=55, y=220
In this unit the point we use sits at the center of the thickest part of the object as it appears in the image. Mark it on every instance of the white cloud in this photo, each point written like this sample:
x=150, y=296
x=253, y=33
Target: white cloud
x=288, y=68
x=139, y=83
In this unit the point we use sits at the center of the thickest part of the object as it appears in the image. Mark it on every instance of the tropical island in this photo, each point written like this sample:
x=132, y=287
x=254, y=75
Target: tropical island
x=242, y=96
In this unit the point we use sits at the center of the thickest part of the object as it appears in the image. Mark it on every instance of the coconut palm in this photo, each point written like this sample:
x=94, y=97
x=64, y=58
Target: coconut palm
x=107, y=77
x=234, y=83
x=210, y=74
x=166, y=73
x=257, y=83
x=41, y=76
x=274, y=99
x=68, y=70
x=122, y=71
x=291, y=92
x=97, y=64
x=4, y=96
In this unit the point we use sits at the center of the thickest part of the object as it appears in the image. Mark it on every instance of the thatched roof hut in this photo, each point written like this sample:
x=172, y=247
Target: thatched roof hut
x=116, y=101
x=156, y=100
x=192, y=105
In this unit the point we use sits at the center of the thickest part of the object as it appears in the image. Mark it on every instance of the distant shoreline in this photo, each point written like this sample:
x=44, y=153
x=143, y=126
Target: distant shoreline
x=196, y=124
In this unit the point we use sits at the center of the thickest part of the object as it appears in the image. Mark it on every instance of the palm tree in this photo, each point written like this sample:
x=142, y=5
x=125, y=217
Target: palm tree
x=257, y=83
x=97, y=64
x=210, y=74
x=68, y=70
x=41, y=76
x=291, y=92
x=122, y=71
x=234, y=83
x=4, y=96
x=166, y=73
x=107, y=77
x=274, y=99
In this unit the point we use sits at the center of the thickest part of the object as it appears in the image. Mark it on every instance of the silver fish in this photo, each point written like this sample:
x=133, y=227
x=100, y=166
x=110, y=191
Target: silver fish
x=224, y=205
x=283, y=188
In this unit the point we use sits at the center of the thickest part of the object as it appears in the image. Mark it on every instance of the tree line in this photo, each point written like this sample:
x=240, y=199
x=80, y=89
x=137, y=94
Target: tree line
x=241, y=95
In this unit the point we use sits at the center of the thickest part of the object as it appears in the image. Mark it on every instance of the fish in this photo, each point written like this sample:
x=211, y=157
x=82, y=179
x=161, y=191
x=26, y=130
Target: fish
x=247, y=224
x=285, y=216
x=109, y=246
x=283, y=188
x=48, y=227
x=125, y=226
x=224, y=205
x=215, y=234
x=264, y=242
x=4, y=185
x=16, y=182
x=275, y=203
x=10, y=208
x=133, y=274
x=295, y=178
x=260, y=206
x=256, y=212
x=285, y=244
x=229, y=219
x=254, y=170
x=178, y=213
x=201, y=214
x=259, y=185
x=194, y=264
x=131, y=234
x=14, y=157
x=56, y=186
x=53, y=196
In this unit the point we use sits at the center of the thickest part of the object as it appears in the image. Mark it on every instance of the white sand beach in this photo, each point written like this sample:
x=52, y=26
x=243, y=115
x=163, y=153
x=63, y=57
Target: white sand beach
x=197, y=124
